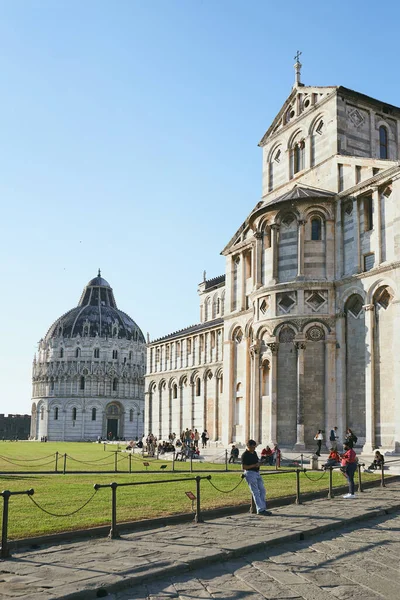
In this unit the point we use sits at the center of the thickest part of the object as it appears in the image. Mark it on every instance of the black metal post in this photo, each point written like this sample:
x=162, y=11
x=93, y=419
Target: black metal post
x=226, y=460
x=65, y=464
x=173, y=461
x=56, y=465
x=301, y=461
x=330, y=492
x=113, y=531
x=4, y=548
x=116, y=462
x=298, y=500
x=360, y=489
x=130, y=463
x=383, y=484
x=198, y=518
x=191, y=462
x=104, y=446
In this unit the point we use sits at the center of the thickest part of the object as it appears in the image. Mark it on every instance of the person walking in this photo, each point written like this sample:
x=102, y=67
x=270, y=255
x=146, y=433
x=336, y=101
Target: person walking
x=349, y=466
x=251, y=468
x=234, y=454
x=318, y=438
x=333, y=437
x=351, y=437
x=204, y=438
x=196, y=438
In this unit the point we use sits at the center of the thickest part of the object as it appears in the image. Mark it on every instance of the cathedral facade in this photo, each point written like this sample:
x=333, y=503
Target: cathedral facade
x=88, y=375
x=299, y=334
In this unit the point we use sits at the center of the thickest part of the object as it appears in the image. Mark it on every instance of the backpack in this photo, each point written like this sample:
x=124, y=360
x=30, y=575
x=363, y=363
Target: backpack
x=332, y=437
x=354, y=438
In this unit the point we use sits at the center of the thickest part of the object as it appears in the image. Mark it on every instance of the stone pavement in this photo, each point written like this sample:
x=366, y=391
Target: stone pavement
x=97, y=567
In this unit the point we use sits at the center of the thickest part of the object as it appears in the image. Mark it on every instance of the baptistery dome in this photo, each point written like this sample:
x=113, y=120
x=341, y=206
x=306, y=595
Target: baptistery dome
x=96, y=315
x=88, y=375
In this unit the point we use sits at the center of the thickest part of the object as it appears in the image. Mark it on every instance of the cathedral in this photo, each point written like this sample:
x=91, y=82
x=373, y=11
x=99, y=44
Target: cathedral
x=299, y=333
x=88, y=376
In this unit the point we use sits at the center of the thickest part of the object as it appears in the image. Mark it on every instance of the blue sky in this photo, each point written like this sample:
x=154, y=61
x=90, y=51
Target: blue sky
x=128, y=141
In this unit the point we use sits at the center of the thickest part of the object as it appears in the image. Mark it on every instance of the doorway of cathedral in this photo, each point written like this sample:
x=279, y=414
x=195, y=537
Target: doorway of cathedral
x=112, y=429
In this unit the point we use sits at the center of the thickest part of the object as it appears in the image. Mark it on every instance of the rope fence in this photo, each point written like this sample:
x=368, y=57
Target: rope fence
x=4, y=550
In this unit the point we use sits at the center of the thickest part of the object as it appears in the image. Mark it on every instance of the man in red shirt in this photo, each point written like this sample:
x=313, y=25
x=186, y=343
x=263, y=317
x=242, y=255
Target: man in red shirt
x=349, y=466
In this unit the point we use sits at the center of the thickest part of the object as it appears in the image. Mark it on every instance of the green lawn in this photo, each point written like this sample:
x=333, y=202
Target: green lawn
x=64, y=494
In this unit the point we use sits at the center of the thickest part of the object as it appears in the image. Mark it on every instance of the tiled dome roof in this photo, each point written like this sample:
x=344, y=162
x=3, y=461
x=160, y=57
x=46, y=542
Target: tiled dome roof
x=96, y=315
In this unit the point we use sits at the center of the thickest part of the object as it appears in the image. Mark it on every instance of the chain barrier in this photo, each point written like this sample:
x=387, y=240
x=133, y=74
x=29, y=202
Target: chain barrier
x=24, y=460
x=66, y=514
x=315, y=480
x=87, y=462
x=225, y=491
x=50, y=462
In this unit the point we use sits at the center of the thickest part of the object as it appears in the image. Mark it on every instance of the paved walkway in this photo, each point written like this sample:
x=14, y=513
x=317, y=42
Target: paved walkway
x=91, y=569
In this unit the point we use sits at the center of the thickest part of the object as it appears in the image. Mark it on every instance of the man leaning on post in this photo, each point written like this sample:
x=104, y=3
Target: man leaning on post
x=251, y=468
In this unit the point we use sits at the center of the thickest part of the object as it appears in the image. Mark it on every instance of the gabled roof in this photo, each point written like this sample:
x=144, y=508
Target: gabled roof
x=296, y=90
x=299, y=192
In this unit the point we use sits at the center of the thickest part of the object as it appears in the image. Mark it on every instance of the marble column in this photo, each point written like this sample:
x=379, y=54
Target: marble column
x=330, y=384
x=257, y=259
x=273, y=419
x=229, y=396
x=330, y=249
x=341, y=375
x=357, y=240
x=369, y=445
x=300, y=444
x=339, y=240
x=242, y=282
x=246, y=429
x=300, y=248
x=376, y=200
x=275, y=252
x=180, y=409
x=215, y=411
x=254, y=361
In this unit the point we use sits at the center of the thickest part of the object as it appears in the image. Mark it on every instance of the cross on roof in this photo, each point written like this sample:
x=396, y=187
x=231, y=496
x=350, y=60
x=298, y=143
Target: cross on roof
x=298, y=54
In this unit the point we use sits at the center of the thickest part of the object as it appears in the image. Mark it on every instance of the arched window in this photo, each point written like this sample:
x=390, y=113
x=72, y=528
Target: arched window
x=61, y=352
x=94, y=414
x=316, y=229
x=74, y=414
x=198, y=386
x=77, y=353
x=115, y=354
x=131, y=415
x=97, y=352
x=275, y=160
x=130, y=355
x=42, y=413
x=383, y=142
x=82, y=383
x=115, y=384
x=207, y=309
x=298, y=153
x=56, y=413
x=221, y=384
x=174, y=391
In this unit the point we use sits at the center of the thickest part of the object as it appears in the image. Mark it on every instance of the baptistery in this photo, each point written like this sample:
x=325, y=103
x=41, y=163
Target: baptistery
x=88, y=373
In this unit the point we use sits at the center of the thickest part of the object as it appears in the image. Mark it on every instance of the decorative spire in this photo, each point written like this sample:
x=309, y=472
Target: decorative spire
x=99, y=273
x=204, y=276
x=297, y=69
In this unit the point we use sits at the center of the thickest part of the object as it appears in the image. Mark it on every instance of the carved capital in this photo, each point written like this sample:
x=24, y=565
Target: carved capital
x=273, y=346
x=302, y=222
x=258, y=235
x=275, y=227
x=300, y=345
